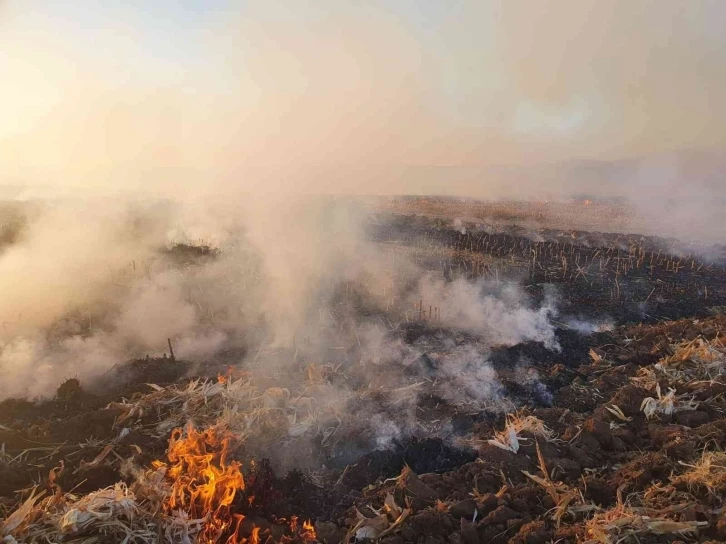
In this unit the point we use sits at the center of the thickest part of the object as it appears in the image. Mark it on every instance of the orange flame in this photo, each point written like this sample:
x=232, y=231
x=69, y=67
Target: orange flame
x=308, y=532
x=305, y=533
x=205, y=485
x=231, y=373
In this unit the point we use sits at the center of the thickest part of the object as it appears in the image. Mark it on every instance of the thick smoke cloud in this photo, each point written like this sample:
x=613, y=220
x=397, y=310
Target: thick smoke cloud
x=303, y=284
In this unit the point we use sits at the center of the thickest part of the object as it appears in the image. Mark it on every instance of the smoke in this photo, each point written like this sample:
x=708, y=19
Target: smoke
x=467, y=377
x=33, y=368
x=681, y=196
x=587, y=327
x=297, y=277
x=72, y=253
x=529, y=378
x=499, y=312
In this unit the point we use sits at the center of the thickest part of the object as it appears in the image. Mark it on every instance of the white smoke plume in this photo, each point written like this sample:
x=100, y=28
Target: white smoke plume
x=499, y=312
x=106, y=288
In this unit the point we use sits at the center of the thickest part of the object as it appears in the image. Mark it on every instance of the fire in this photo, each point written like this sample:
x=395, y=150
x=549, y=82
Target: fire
x=587, y=202
x=207, y=486
x=231, y=374
x=304, y=532
x=204, y=482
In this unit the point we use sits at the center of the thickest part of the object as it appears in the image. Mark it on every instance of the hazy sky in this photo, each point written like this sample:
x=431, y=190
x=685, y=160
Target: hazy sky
x=92, y=93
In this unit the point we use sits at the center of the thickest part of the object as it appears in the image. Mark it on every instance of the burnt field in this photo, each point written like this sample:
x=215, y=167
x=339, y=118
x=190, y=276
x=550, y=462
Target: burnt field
x=627, y=276
x=485, y=382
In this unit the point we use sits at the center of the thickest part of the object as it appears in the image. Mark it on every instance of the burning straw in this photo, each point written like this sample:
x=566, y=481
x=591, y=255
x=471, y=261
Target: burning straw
x=204, y=484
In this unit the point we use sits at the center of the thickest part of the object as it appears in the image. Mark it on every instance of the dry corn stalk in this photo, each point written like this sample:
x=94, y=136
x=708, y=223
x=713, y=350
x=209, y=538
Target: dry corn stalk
x=708, y=473
x=560, y=493
x=621, y=523
x=112, y=514
x=618, y=413
x=695, y=359
x=236, y=404
x=21, y=517
x=666, y=404
x=388, y=519
x=509, y=438
x=646, y=378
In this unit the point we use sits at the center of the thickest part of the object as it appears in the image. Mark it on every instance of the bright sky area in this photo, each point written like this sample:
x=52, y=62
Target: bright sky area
x=220, y=87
